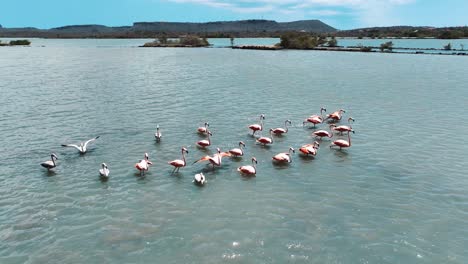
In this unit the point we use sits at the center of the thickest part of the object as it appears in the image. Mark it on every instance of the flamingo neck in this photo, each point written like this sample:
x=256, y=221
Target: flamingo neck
x=286, y=126
x=349, y=139
x=183, y=156
x=53, y=159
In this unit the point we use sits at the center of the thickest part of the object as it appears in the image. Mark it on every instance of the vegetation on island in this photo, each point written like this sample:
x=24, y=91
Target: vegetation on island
x=301, y=40
x=188, y=41
x=387, y=46
x=21, y=42
x=405, y=32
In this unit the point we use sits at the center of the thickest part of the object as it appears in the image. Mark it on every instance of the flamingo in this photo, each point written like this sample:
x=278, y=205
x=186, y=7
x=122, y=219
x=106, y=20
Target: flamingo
x=257, y=127
x=216, y=159
x=203, y=130
x=237, y=152
x=158, y=134
x=179, y=163
x=205, y=142
x=199, y=179
x=336, y=116
x=342, y=143
x=50, y=164
x=315, y=119
x=280, y=131
x=342, y=129
x=82, y=148
x=143, y=165
x=249, y=169
x=284, y=157
x=310, y=149
x=104, y=172
x=266, y=140
x=323, y=133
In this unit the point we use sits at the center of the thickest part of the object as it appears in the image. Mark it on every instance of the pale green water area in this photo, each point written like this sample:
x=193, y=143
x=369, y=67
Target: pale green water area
x=398, y=195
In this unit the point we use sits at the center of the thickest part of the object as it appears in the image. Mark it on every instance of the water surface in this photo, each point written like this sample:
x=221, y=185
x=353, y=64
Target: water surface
x=398, y=195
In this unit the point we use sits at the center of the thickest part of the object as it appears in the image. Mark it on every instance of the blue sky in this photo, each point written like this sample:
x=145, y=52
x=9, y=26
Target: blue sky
x=341, y=14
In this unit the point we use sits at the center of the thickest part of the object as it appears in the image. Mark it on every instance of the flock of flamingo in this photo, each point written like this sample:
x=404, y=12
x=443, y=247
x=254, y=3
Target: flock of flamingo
x=216, y=160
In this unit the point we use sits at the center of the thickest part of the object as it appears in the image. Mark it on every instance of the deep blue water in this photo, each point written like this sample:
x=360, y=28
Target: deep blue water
x=398, y=195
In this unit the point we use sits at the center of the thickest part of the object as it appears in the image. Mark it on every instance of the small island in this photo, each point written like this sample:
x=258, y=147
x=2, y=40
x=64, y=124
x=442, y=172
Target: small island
x=181, y=42
x=21, y=42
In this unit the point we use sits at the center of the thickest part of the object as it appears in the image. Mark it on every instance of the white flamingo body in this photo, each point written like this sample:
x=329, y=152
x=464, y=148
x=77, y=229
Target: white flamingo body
x=216, y=159
x=179, y=163
x=310, y=149
x=82, y=147
x=158, y=134
x=204, y=129
x=257, y=127
x=279, y=130
x=284, y=157
x=199, y=178
x=237, y=152
x=249, y=169
x=337, y=115
x=266, y=140
x=316, y=119
x=342, y=143
x=104, y=171
x=143, y=165
x=50, y=164
x=205, y=142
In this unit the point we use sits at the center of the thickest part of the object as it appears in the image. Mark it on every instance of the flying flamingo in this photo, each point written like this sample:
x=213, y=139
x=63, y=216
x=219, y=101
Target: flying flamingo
x=336, y=116
x=266, y=140
x=342, y=143
x=205, y=142
x=315, y=119
x=158, y=134
x=284, y=157
x=257, y=127
x=249, y=169
x=143, y=165
x=237, y=152
x=50, y=164
x=280, y=131
x=82, y=148
x=179, y=163
x=199, y=179
x=204, y=129
x=216, y=159
x=310, y=149
x=342, y=129
x=323, y=133
x=104, y=171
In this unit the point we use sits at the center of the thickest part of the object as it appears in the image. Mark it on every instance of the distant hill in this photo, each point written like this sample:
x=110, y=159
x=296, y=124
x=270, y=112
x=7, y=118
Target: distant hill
x=150, y=29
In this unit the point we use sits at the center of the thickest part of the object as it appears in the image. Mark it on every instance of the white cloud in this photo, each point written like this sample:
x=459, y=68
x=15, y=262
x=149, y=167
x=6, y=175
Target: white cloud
x=368, y=12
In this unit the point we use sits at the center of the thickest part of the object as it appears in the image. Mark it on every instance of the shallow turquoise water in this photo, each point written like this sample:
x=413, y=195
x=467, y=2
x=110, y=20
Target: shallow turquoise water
x=398, y=195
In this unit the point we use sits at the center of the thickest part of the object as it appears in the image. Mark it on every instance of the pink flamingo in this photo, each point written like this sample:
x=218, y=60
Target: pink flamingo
x=336, y=116
x=205, y=142
x=323, y=133
x=216, y=159
x=203, y=130
x=143, y=165
x=342, y=129
x=257, y=127
x=284, y=157
x=310, y=149
x=280, y=131
x=179, y=163
x=266, y=140
x=249, y=169
x=315, y=119
x=342, y=143
x=237, y=152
